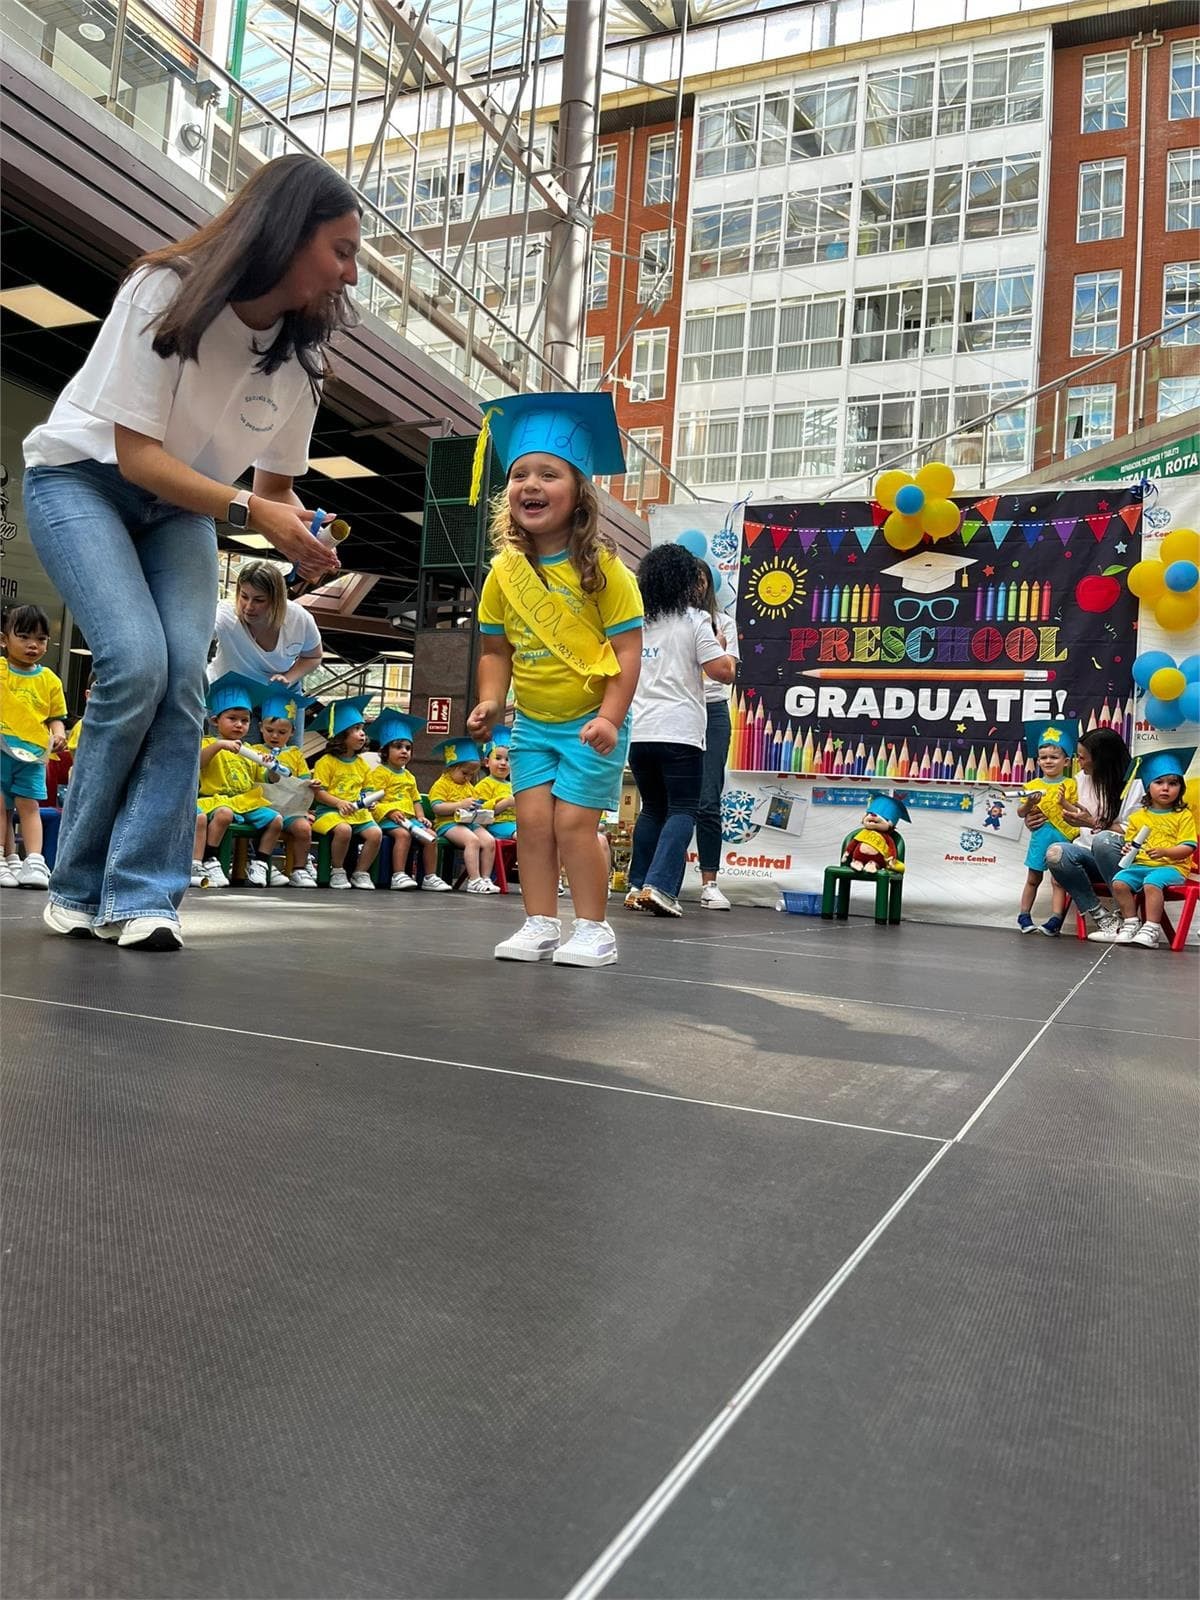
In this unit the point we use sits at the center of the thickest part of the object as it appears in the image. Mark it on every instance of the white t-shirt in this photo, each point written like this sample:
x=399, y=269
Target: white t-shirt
x=668, y=707
x=237, y=651
x=1133, y=797
x=722, y=691
x=216, y=414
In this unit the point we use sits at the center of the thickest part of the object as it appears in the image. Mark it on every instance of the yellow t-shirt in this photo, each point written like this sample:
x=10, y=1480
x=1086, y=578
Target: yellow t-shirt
x=290, y=758
x=28, y=700
x=1167, y=828
x=445, y=788
x=73, y=736
x=229, y=780
x=346, y=780
x=492, y=791
x=1053, y=793
x=543, y=686
x=400, y=792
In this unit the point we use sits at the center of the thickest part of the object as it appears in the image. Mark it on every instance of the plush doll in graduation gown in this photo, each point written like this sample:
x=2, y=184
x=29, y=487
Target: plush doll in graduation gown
x=873, y=847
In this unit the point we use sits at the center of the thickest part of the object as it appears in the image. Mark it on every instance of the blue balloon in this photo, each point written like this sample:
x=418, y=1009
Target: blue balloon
x=694, y=541
x=1189, y=703
x=910, y=499
x=1182, y=576
x=1190, y=667
x=1145, y=666
x=1162, y=713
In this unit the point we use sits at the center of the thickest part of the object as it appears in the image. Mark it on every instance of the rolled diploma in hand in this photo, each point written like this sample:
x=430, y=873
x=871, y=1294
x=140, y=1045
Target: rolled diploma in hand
x=1130, y=853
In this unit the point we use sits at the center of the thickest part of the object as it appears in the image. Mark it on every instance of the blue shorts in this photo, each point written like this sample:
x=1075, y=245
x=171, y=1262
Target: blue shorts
x=22, y=779
x=1040, y=841
x=1165, y=877
x=261, y=817
x=550, y=752
x=502, y=830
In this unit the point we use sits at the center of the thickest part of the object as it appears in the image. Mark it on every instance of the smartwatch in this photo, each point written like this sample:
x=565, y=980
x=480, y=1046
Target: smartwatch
x=238, y=513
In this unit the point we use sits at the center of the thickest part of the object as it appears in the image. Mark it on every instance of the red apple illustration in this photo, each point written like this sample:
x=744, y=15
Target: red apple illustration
x=1099, y=591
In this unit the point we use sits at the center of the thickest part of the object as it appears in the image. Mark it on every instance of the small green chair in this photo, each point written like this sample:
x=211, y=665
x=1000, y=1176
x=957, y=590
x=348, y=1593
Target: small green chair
x=889, y=888
x=232, y=858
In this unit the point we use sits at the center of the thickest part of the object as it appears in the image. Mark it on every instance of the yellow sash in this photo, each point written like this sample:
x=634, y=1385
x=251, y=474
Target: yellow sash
x=548, y=616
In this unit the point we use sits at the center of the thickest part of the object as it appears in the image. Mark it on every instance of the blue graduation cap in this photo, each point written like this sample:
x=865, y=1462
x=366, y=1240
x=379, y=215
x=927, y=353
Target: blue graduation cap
x=392, y=724
x=232, y=692
x=889, y=808
x=339, y=715
x=578, y=428
x=452, y=751
x=1063, y=732
x=1162, y=764
x=284, y=700
x=501, y=739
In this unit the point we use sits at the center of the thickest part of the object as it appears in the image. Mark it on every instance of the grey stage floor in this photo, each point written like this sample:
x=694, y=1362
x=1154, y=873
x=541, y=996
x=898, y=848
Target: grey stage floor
x=783, y=1259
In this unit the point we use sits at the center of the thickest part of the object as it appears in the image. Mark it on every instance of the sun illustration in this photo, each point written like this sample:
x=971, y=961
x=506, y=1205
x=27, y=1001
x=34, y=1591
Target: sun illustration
x=776, y=588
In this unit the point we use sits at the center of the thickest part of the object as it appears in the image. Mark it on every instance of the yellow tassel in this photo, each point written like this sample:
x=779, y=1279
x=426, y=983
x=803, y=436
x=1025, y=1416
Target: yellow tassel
x=481, y=445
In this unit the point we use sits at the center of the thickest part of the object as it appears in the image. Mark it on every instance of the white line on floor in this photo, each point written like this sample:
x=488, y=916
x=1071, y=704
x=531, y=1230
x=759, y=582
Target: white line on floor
x=614, y=1557
x=471, y=1066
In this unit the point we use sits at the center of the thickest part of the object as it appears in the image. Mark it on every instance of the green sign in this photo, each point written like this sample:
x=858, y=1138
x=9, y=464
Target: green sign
x=1173, y=460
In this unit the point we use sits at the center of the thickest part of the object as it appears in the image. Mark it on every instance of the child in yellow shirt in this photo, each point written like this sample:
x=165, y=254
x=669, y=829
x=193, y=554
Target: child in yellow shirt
x=1163, y=855
x=32, y=708
x=278, y=713
x=401, y=808
x=343, y=780
x=231, y=785
x=1052, y=745
x=495, y=786
x=456, y=801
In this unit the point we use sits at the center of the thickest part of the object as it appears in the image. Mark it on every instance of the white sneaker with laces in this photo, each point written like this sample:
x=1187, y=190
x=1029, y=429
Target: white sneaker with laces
x=536, y=940
x=362, y=880
x=34, y=873
x=592, y=944
x=712, y=898
x=61, y=919
x=256, y=873
x=303, y=878
x=215, y=873
x=276, y=877
x=1150, y=936
x=438, y=885
x=481, y=886
x=401, y=880
x=1128, y=931
x=151, y=933
x=339, y=879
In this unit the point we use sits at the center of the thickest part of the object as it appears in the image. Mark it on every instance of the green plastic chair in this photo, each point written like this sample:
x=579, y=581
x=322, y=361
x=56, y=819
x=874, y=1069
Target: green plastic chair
x=889, y=888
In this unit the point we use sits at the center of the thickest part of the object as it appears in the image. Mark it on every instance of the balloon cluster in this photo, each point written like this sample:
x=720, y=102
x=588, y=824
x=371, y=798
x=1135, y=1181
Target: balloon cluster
x=1172, y=689
x=1170, y=582
x=918, y=506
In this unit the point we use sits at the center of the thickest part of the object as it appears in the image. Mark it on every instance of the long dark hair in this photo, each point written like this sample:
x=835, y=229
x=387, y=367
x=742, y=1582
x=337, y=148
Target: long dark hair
x=244, y=252
x=1110, y=762
x=669, y=578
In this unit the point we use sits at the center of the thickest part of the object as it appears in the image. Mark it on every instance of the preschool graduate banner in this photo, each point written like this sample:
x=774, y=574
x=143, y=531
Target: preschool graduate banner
x=861, y=661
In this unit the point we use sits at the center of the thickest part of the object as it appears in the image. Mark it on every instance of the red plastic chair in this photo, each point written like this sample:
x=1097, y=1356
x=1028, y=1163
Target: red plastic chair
x=506, y=851
x=1188, y=892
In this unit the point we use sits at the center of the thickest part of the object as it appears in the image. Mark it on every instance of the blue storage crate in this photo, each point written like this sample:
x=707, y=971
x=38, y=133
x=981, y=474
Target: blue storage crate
x=801, y=905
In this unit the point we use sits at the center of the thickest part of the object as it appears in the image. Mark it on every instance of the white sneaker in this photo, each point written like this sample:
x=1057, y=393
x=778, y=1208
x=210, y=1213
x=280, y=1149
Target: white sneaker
x=256, y=873
x=1150, y=936
x=13, y=863
x=592, y=944
x=34, y=873
x=401, y=880
x=562, y=888
x=338, y=879
x=197, y=878
x=438, y=885
x=276, y=877
x=215, y=873
x=536, y=940
x=8, y=878
x=712, y=898
x=303, y=878
x=151, y=933
x=633, y=900
x=481, y=886
x=61, y=919
x=362, y=880
x=660, y=903
x=1128, y=931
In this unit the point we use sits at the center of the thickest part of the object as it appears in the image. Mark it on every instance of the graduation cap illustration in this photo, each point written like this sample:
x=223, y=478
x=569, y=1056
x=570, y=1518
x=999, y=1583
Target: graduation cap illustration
x=928, y=572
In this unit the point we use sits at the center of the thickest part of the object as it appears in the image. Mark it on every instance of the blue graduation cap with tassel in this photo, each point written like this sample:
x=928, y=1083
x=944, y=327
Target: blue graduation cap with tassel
x=1063, y=732
x=1162, y=764
x=233, y=691
x=339, y=715
x=889, y=808
x=454, y=751
x=284, y=700
x=391, y=724
x=578, y=428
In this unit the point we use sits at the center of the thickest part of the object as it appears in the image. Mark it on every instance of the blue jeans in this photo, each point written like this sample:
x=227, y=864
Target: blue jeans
x=668, y=779
x=1079, y=864
x=708, y=814
x=140, y=577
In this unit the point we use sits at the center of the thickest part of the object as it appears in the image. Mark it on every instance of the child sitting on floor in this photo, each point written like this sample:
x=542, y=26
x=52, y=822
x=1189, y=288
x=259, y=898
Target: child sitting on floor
x=1052, y=744
x=401, y=803
x=342, y=780
x=1163, y=855
x=456, y=801
x=279, y=713
x=495, y=787
x=231, y=786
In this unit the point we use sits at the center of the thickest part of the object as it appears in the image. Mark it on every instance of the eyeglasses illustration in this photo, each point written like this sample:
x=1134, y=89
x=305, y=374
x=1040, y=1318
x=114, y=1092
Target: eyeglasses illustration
x=941, y=607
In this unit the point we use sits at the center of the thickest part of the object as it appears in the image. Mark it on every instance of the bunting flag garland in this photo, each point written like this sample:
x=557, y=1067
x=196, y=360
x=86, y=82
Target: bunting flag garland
x=998, y=528
x=1099, y=525
x=970, y=527
x=1064, y=527
x=865, y=537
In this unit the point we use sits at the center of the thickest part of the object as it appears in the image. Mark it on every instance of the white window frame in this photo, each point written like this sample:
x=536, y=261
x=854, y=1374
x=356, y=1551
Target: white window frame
x=605, y=196
x=599, y=274
x=1007, y=434
x=1106, y=218
x=643, y=478
x=811, y=451
x=900, y=105
x=1012, y=210
x=731, y=129
x=660, y=186
x=1096, y=312
x=1181, y=298
x=1078, y=403
x=714, y=344
x=1011, y=290
x=1097, y=107
x=904, y=229
x=1183, y=171
x=1012, y=98
x=648, y=369
x=1185, y=80
x=1177, y=395
x=656, y=266
x=591, y=363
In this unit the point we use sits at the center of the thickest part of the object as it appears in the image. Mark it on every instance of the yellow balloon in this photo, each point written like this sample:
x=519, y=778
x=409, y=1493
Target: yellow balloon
x=902, y=532
x=1147, y=580
x=1181, y=544
x=1168, y=683
x=1177, y=611
x=888, y=486
x=937, y=480
x=939, y=518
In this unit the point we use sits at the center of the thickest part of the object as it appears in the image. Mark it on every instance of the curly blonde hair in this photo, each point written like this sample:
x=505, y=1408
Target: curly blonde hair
x=586, y=542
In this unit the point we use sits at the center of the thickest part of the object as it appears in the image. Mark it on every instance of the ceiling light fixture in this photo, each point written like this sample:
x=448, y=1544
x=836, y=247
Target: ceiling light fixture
x=78, y=650
x=43, y=307
x=91, y=31
x=341, y=467
x=252, y=541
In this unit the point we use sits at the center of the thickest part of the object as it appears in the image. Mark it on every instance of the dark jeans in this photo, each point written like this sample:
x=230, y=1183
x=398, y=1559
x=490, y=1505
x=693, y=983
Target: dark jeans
x=668, y=779
x=708, y=814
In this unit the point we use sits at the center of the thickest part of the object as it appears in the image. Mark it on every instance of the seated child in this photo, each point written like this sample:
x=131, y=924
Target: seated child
x=1052, y=744
x=73, y=736
x=495, y=787
x=231, y=785
x=1163, y=856
x=32, y=708
x=279, y=713
x=342, y=779
x=401, y=803
x=455, y=799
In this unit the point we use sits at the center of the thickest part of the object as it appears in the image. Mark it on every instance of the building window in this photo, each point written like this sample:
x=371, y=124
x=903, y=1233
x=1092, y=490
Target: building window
x=1002, y=197
x=1091, y=417
x=660, y=169
x=904, y=322
x=649, y=371
x=725, y=239
x=1095, y=324
x=1176, y=395
x=823, y=119
x=995, y=310
x=723, y=447
x=1185, y=80
x=1101, y=200
x=591, y=368
x=714, y=344
x=606, y=179
x=1006, y=86
x=816, y=225
x=598, y=279
x=643, y=477
x=952, y=97
x=892, y=215
x=1105, y=92
x=805, y=336
x=1183, y=190
x=1181, y=298
x=804, y=441
x=654, y=268
x=880, y=426
x=899, y=107
x=1000, y=442
x=727, y=137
